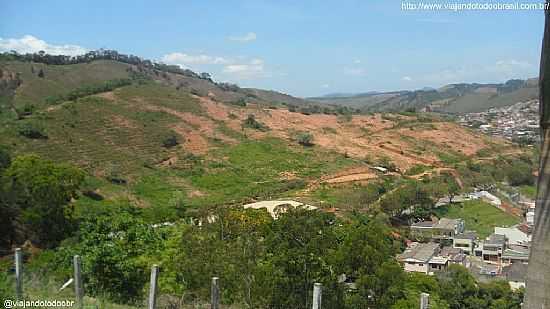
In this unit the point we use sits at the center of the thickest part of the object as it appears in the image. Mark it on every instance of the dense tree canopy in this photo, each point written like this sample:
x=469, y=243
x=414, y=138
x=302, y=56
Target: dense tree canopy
x=36, y=195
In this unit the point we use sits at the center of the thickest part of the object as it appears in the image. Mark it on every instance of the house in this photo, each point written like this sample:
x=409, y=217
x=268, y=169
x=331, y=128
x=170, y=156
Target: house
x=455, y=256
x=274, y=208
x=422, y=230
x=465, y=241
x=438, y=230
x=447, y=228
x=514, y=236
x=515, y=254
x=493, y=247
x=437, y=263
x=416, y=258
x=486, y=196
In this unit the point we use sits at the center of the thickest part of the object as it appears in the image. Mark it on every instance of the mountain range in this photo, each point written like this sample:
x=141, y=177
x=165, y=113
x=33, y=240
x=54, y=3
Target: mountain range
x=452, y=98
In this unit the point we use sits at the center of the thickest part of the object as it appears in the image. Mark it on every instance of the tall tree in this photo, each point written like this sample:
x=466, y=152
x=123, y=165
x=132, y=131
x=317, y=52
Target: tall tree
x=40, y=192
x=538, y=274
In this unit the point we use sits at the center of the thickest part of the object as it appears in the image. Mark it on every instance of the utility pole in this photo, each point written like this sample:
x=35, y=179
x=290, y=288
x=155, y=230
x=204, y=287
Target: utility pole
x=18, y=273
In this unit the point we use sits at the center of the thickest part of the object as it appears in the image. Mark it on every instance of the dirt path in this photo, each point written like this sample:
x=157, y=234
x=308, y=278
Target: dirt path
x=438, y=171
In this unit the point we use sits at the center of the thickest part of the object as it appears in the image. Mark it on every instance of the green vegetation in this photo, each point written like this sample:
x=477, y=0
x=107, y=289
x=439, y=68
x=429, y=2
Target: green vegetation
x=255, y=169
x=479, y=216
x=304, y=138
x=138, y=197
x=60, y=80
x=171, y=140
x=252, y=123
x=32, y=131
x=87, y=90
x=353, y=197
x=529, y=191
x=261, y=262
x=35, y=197
x=454, y=98
x=417, y=169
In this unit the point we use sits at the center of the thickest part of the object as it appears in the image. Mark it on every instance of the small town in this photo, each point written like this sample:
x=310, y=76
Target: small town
x=517, y=122
x=503, y=255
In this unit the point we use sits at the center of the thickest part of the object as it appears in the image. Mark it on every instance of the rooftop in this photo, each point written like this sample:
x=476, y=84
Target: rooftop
x=446, y=223
x=419, y=252
x=467, y=235
x=495, y=239
x=423, y=224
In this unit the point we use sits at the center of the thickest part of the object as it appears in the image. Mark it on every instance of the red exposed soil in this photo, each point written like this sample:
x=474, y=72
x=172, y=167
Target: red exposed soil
x=363, y=136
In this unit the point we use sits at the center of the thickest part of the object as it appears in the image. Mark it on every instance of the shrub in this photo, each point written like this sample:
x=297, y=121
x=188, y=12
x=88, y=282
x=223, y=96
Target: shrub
x=240, y=102
x=32, y=131
x=170, y=141
x=251, y=122
x=305, y=138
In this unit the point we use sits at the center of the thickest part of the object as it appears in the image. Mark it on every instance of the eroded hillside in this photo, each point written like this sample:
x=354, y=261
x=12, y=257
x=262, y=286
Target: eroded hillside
x=159, y=139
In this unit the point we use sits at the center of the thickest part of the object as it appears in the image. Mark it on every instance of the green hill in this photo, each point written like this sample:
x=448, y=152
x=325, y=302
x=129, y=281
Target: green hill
x=162, y=137
x=454, y=98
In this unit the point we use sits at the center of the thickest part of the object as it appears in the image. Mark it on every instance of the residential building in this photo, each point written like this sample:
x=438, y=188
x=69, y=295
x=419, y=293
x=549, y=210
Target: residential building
x=514, y=236
x=417, y=256
x=465, y=241
x=447, y=228
x=486, y=196
x=454, y=256
x=515, y=254
x=438, y=230
x=422, y=230
x=493, y=247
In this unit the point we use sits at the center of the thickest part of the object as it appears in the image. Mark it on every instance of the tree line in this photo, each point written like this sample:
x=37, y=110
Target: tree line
x=100, y=54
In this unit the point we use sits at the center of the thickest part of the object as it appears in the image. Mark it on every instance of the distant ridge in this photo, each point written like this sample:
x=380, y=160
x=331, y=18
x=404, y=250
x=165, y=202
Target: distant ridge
x=453, y=98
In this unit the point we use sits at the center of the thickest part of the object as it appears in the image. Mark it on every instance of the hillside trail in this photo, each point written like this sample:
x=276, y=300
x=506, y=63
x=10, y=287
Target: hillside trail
x=438, y=170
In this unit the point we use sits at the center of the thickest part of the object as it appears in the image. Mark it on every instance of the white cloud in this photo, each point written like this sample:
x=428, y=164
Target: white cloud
x=357, y=61
x=251, y=36
x=498, y=71
x=249, y=70
x=355, y=71
x=407, y=78
x=31, y=44
x=512, y=65
x=325, y=85
x=186, y=60
x=234, y=68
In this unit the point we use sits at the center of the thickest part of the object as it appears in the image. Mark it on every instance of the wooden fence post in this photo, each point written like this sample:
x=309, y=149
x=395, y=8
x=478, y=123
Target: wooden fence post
x=317, y=295
x=153, y=287
x=18, y=273
x=424, y=300
x=78, y=288
x=215, y=294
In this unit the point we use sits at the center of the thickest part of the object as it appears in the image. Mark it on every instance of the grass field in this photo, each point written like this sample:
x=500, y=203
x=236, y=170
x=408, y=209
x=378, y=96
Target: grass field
x=60, y=79
x=479, y=216
x=265, y=168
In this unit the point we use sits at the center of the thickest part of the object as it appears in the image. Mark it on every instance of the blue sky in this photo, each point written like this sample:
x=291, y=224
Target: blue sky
x=304, y=48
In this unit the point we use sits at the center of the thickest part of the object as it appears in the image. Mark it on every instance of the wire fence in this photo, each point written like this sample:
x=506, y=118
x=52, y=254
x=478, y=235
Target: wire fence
x=313, y=295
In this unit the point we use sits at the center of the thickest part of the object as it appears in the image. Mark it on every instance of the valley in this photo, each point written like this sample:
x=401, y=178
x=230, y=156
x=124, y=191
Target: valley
x=160, y=152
